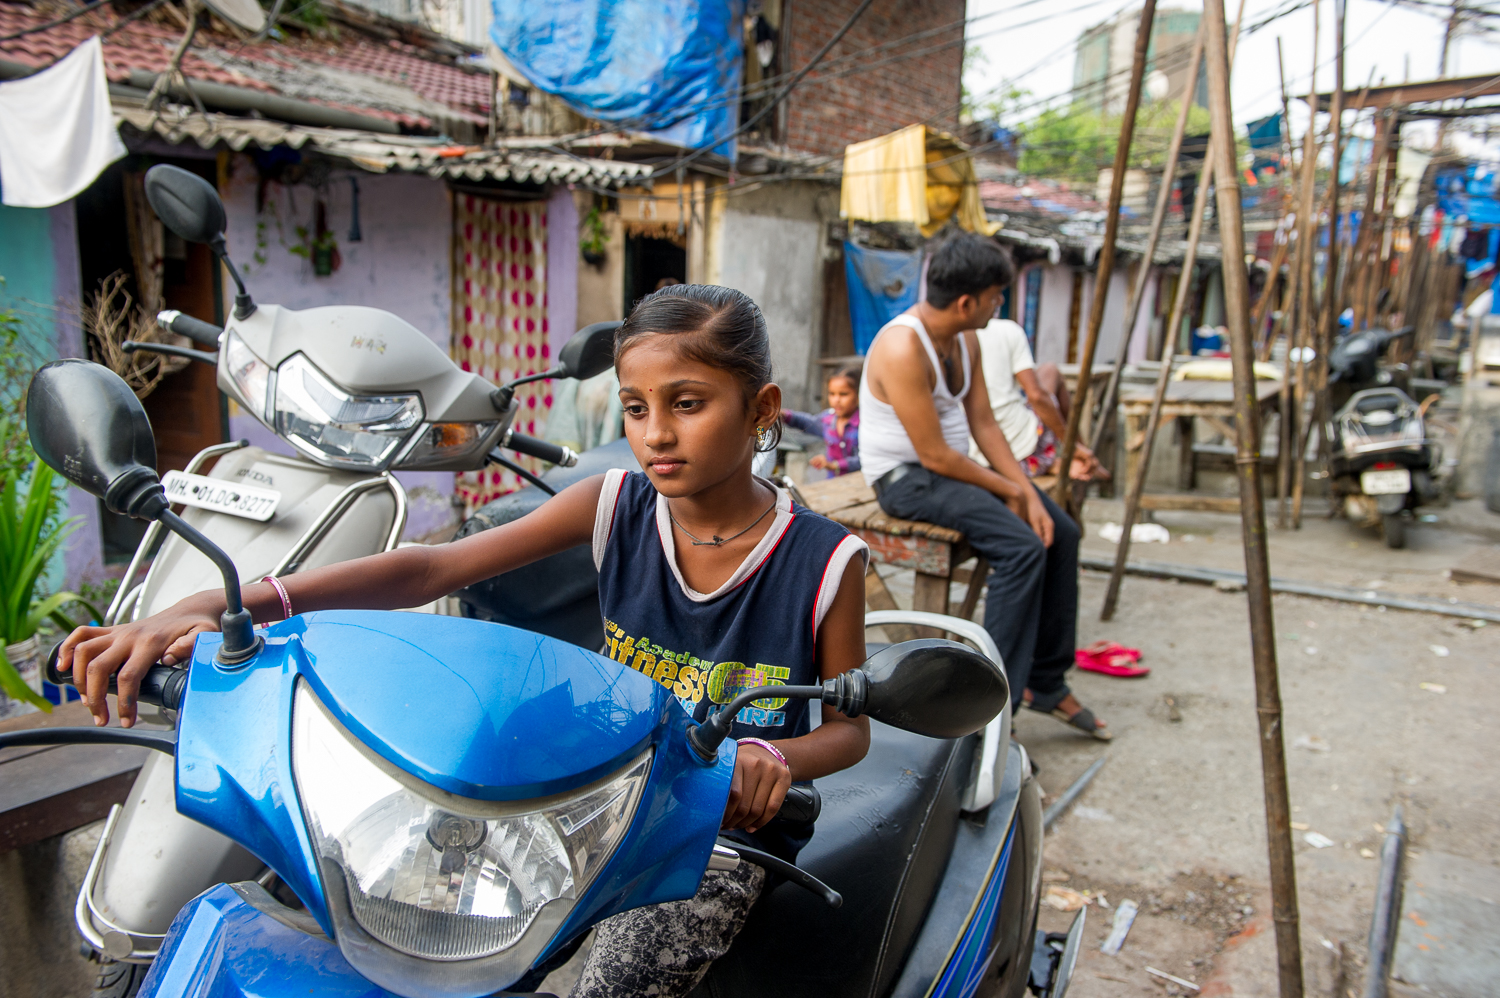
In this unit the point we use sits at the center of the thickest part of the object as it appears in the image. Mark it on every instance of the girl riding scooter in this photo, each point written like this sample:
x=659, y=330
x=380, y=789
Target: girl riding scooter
x=704, y=570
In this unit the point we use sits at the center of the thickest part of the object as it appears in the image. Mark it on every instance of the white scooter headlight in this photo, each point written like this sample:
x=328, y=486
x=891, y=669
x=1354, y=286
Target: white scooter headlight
x=332, y=426
x=250, y=374
x=441, y=877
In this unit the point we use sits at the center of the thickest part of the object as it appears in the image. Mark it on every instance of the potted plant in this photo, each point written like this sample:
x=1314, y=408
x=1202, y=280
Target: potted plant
x=30, y=534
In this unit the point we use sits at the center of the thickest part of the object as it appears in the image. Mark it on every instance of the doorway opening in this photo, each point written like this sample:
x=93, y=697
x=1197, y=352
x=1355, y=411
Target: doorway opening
x=650, y=263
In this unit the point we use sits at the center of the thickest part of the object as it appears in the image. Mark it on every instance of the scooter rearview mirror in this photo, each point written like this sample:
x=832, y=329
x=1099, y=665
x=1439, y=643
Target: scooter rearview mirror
x=186, y=203
x=934, y=687
x=930, y=686
x=589, y=352
x=87, y=425
x=189, y=206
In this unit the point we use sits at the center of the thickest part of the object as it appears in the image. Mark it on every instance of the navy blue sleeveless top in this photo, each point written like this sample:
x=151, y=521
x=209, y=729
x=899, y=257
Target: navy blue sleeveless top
x=759, y=628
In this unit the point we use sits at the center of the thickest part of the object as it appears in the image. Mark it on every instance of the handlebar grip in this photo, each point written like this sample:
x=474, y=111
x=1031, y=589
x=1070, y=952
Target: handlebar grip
x=549, y=452
x=196, y=330
x=162, y=685
x=801, y=804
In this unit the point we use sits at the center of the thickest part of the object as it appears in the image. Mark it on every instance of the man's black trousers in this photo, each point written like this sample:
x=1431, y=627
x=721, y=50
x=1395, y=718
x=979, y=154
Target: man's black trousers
x=1031, y=606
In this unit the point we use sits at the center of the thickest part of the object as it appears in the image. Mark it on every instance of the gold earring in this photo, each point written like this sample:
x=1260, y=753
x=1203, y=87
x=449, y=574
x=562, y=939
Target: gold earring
x=762, y=436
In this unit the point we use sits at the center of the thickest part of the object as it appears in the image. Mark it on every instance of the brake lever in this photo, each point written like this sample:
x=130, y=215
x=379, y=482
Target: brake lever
x=794, y=874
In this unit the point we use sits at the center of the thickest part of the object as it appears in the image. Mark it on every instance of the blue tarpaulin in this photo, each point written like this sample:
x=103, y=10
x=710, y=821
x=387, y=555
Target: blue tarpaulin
x=882, y=285
x=668, y=67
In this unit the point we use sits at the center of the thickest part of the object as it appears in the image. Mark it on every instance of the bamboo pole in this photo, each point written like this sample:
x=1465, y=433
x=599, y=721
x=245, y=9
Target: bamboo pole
x=1063, y=493
x=1253, y=521
x=1164, y=375
x=1158, y=218
x=1302, y=333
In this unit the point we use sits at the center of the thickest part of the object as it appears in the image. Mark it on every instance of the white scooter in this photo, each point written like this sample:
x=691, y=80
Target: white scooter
x=357, y=392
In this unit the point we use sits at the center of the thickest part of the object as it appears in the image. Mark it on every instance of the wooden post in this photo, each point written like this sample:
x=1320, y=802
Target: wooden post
x=1063, y=493
x=1253, y=522
x=1158, y=217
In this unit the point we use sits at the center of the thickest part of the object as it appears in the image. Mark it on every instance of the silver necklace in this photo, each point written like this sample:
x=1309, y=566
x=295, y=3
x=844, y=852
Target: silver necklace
x=717, y=541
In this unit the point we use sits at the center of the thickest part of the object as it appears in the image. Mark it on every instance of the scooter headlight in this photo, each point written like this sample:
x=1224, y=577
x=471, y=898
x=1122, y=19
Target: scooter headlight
x=440, y=877
x=250, y=374
x=333, y=427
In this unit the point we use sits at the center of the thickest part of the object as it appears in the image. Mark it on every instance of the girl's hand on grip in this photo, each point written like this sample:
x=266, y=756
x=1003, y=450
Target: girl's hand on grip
x=95, y=654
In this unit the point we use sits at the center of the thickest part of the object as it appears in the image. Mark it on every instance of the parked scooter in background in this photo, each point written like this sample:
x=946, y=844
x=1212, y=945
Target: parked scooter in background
x=420, y=853
x=357, y=393
x=1382, y=466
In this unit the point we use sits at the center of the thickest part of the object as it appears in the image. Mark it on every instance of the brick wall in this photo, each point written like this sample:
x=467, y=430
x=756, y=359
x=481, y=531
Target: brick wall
x=824, y=116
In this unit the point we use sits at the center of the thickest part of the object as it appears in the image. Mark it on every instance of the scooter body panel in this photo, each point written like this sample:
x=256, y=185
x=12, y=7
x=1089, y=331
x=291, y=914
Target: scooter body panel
x=307, y=490
x=157, y=860
x=568, y=716
x=226, y=945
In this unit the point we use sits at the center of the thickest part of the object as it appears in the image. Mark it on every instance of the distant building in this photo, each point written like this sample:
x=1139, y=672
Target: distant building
x=1101, y=67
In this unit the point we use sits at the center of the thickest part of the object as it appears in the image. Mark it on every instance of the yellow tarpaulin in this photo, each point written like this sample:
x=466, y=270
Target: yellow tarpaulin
x=913, y=175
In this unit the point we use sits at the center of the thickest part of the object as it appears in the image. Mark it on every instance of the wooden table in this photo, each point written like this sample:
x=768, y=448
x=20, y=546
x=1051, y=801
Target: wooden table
x=1186, y=401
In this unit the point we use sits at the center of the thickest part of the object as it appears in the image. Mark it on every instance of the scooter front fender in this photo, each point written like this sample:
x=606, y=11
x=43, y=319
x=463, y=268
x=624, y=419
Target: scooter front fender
x=236, y=941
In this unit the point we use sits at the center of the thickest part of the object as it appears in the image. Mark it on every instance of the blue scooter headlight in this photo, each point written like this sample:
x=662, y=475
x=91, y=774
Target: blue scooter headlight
x=440, y=877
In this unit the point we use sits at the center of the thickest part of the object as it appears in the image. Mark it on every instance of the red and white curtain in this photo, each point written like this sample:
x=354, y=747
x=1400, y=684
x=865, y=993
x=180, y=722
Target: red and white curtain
x=500, y=317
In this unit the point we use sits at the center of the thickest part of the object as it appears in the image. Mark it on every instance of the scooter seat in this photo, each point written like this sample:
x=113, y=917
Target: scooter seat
x=883, y=842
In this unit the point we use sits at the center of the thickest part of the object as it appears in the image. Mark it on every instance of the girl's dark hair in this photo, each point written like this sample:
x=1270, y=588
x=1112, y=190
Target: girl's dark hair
x=718, y=326
x=850, y=374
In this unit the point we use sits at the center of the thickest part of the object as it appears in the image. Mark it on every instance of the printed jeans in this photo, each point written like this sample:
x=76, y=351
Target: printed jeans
x=1031, y=606
x=663, y=950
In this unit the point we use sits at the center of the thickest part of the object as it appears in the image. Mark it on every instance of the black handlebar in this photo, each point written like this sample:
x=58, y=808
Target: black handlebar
x=171, y=350
x=196, y=330
x=162, y=685
x=801, y=804
x=546, y=451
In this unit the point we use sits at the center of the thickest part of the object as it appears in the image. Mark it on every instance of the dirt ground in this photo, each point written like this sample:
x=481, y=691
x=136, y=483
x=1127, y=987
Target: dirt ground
x=1380, y=708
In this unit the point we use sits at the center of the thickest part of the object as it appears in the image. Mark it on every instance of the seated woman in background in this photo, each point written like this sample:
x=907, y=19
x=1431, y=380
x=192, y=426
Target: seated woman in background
x=838, y=425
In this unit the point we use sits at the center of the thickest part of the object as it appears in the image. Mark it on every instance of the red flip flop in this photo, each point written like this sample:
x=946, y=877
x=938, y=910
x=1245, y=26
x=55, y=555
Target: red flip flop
x=1113, y=648
x=1112, y=660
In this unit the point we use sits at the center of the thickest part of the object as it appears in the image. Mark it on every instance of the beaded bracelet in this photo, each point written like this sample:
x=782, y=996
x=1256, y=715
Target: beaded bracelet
x=286, y=601
x=768, y=747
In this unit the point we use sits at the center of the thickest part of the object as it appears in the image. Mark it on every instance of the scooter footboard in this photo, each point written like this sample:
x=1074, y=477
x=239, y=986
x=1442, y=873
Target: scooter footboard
x=236, y=941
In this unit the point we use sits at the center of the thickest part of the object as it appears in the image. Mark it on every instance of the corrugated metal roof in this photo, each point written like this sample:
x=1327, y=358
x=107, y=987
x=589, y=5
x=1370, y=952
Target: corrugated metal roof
x=381, y=153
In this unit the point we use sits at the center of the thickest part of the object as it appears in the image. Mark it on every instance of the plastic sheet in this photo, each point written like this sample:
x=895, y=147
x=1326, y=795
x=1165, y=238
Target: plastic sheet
x=882, y=285
x=667, y=67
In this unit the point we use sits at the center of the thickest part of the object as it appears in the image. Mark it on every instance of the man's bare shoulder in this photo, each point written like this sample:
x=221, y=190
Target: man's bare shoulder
x=896, y=348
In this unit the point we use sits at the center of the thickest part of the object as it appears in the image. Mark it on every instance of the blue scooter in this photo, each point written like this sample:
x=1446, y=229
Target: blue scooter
x=449, y=804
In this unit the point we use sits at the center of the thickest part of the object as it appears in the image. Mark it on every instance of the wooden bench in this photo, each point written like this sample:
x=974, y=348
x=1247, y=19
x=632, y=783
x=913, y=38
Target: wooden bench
x=935, y=554
x=46, y=790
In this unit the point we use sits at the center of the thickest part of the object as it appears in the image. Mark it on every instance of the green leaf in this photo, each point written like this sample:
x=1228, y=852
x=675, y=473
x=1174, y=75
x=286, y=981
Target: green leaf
x=15, y=687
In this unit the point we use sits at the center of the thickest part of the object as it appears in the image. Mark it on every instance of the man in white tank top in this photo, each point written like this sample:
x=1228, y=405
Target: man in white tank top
x=923, y=396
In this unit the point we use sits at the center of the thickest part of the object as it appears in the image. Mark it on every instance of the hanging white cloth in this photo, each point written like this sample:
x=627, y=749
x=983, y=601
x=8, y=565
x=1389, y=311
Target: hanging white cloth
x=57, y=130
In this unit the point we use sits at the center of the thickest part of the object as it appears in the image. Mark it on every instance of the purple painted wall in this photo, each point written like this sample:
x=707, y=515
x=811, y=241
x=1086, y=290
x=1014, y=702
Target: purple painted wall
x=562, y=267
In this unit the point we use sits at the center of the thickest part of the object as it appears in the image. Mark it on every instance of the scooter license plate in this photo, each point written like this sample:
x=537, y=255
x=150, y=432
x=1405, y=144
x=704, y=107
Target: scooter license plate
x=1388, y=481
x=220, y=496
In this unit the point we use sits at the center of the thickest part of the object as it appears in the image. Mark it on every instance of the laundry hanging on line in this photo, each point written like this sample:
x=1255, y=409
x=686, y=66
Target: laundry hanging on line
x=57, y=130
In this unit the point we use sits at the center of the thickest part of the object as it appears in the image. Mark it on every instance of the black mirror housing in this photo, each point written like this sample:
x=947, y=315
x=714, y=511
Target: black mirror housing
x=87, y=424
x=930, y=686
x=187, y=204
x=933, y=687
x=589, y=352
